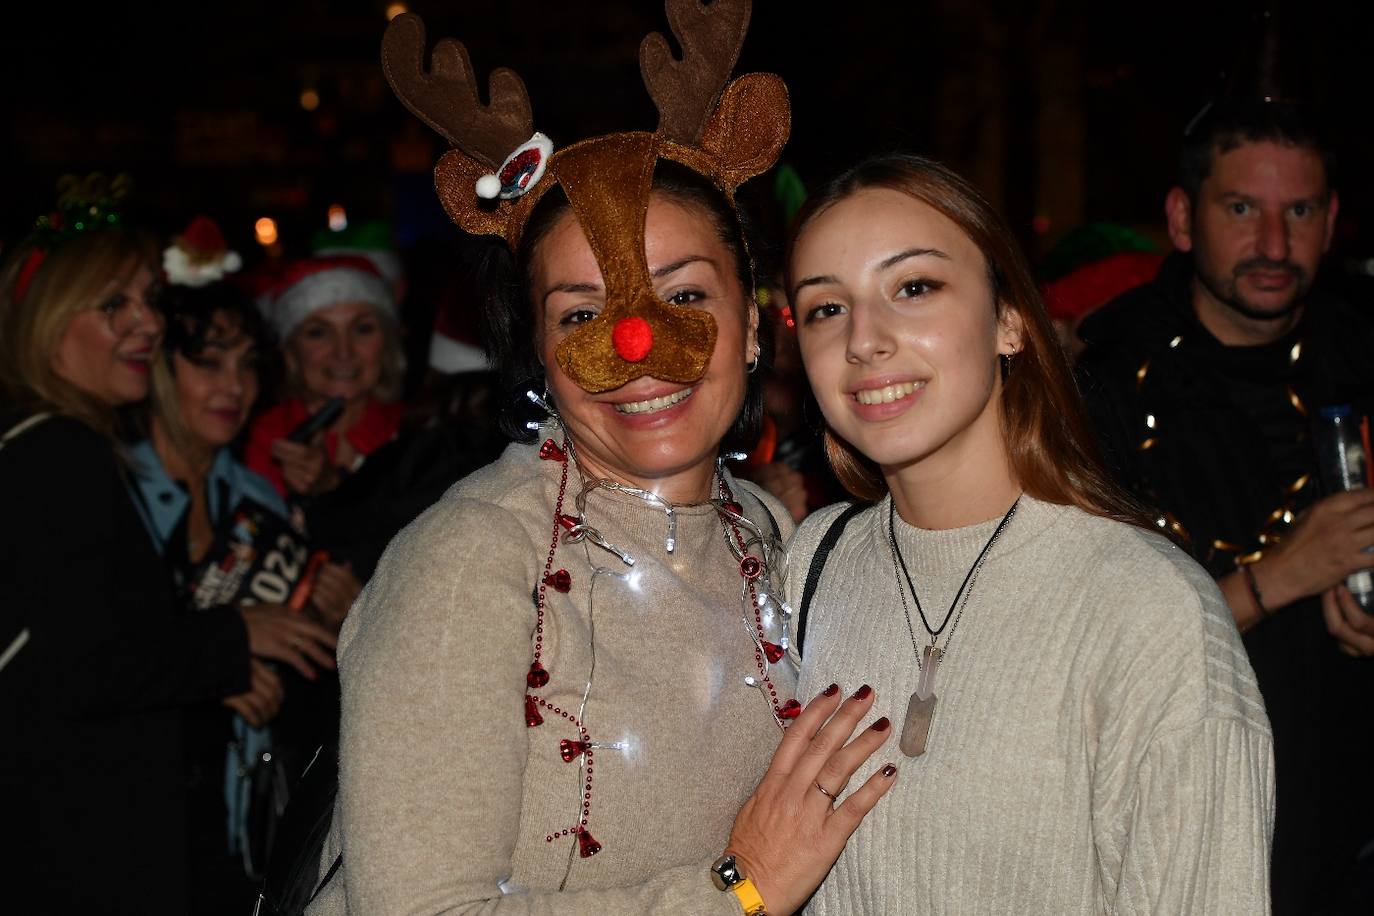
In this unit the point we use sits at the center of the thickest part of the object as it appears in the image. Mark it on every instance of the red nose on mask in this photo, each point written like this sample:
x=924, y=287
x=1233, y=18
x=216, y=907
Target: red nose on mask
x=633, y=338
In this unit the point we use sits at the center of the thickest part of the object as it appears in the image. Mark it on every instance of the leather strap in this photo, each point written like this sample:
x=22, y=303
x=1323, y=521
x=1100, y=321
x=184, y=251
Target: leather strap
x=813, y=574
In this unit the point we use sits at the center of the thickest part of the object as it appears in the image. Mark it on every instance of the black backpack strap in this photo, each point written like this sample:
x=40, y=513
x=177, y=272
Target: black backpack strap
x=813, y=574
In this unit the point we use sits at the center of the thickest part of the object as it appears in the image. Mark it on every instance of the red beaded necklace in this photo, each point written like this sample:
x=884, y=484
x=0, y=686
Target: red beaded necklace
x=568, y=527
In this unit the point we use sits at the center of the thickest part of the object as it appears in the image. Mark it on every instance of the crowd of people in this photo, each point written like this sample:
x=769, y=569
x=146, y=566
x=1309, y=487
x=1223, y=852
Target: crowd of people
x=621, y=612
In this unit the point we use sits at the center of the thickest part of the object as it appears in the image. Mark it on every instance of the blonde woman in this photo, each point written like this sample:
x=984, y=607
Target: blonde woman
x=336, y=318
x=90, y=705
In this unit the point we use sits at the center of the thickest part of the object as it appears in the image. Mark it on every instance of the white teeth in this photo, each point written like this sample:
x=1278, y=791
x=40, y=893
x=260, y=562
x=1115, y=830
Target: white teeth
x=889, y=394
x=654, y=404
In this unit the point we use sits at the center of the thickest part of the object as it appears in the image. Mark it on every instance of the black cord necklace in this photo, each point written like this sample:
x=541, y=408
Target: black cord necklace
x=920, y=710
x=897, y=552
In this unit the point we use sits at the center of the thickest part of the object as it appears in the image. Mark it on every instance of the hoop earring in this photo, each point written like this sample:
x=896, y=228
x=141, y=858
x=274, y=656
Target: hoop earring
x=752, y=366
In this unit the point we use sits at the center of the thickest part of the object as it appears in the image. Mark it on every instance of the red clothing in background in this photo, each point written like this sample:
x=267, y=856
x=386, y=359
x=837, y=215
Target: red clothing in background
x=376, y=427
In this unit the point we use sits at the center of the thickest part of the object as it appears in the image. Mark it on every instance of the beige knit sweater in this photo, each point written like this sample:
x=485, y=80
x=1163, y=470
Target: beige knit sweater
x=1099, y=744
x=446, y=797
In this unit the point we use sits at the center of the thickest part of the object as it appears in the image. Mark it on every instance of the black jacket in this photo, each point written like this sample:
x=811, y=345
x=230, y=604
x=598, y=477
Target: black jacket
x=1216, y=439
x=92, y=773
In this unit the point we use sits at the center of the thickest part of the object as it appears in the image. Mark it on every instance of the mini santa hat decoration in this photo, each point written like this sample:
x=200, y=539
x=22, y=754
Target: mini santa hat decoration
x=199, y=256
x=316, y=283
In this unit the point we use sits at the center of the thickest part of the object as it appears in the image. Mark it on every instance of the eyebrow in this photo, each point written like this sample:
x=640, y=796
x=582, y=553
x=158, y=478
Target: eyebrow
x=677, y=265
x=912, y=253
x=886, y=263
x=658, y=274
x=570, y=288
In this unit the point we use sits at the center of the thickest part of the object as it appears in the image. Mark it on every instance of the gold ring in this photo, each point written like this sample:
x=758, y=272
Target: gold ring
x=822, y=789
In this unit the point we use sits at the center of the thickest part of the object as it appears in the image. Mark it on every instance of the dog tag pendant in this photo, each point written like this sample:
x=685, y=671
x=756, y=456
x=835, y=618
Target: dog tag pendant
x=920, y=710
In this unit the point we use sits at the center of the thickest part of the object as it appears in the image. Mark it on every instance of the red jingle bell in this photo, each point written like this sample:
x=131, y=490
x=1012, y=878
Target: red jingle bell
x=560, y=581
x=587, y=846
x=773, y=652
x=751, y=567
x=537, y=676
x=532, y=716
x=633, y=338
x=550, y=451
x=790, y=710
x=570, y=750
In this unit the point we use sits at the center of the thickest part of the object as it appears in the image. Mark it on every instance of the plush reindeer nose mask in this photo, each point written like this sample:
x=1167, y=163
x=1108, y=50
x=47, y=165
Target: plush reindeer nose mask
x=499, y=168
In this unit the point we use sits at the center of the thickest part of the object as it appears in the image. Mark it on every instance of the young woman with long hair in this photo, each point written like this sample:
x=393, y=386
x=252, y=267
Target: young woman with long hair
x=1083, y=729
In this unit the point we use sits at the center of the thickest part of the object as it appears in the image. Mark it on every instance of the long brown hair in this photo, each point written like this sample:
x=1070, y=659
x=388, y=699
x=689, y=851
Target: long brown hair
x=1050, y=442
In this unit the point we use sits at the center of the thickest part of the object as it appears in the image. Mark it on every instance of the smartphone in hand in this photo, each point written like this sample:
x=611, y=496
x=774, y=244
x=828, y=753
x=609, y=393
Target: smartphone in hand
x=319, y=420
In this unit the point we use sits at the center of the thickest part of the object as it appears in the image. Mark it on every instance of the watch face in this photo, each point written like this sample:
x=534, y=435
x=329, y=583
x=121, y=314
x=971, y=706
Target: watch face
x=725, y=873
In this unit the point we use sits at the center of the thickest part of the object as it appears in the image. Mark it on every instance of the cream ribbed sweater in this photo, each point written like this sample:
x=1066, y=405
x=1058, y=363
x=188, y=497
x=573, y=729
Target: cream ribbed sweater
x=446, y=797
x=1099, y=744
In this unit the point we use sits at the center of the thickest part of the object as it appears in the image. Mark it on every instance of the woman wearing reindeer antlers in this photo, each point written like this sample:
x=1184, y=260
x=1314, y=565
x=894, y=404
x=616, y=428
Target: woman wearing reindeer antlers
x=560, y=689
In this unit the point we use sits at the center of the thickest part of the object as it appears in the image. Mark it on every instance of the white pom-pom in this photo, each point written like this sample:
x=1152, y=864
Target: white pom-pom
x=488, y=187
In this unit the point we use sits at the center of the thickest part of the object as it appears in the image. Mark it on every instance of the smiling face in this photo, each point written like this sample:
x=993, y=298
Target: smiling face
x=217, y=387
x=1261, y=223
x=106, y=351
x=337, y=352
x=661, y=436
x=900, y=333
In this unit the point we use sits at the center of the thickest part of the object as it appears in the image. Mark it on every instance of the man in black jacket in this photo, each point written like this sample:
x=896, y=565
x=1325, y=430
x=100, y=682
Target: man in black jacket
x=1203, y=385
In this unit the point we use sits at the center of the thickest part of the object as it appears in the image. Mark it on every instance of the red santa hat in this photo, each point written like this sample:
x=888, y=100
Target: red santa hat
x=454, y=348
x=315, y=283
x=1093, y=285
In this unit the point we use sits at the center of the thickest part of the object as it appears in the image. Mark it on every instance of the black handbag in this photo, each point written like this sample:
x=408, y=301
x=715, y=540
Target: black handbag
x=266, y=792
x=292, y=878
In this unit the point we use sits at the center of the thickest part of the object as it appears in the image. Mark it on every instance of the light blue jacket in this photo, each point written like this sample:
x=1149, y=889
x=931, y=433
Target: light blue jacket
x=162, y=502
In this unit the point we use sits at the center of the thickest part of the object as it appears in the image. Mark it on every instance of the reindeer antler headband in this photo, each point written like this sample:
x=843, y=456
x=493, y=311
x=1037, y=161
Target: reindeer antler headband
x=489, y=183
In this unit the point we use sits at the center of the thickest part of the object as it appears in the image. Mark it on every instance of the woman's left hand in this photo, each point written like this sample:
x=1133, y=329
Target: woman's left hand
x=335, y=590
x=790, y=831
x=262, y=701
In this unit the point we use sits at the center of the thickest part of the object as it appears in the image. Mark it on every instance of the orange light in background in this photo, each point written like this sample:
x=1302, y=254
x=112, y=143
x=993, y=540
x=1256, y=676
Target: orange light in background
x=265, y=230
x=310, y=99
x=338, y=218
x=393, y=10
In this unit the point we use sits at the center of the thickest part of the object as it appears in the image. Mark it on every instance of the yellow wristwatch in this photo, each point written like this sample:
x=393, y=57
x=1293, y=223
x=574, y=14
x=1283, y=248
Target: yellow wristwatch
x=727, y=877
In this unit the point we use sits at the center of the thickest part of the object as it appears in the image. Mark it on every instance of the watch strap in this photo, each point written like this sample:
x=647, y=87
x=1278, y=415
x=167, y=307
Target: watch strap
x=749, y=898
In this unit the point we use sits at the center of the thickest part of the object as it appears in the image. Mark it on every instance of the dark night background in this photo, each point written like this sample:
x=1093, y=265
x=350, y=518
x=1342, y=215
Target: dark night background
x=1064, y=112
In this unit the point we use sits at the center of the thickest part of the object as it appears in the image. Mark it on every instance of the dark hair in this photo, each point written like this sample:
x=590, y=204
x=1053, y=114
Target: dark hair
x=1228, y=124
x=508, y=309
x=190, y=313
x=1050, y=443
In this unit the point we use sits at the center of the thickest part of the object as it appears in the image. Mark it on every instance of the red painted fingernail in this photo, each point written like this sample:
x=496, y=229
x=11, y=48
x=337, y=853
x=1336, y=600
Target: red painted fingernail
x=831, y=690
x=889, y=771
x=881, y=725
x=863, y=692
